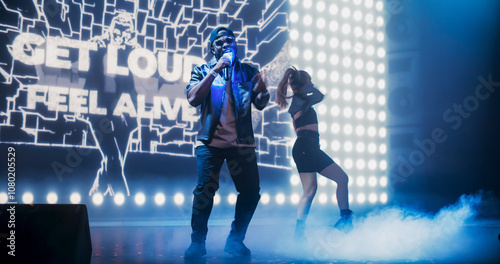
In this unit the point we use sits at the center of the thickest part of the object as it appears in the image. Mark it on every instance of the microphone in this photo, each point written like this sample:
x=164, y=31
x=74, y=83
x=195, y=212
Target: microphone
x=229, y=55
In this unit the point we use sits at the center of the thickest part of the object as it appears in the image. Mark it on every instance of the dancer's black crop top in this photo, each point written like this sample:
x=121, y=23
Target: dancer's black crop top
x=308, y=96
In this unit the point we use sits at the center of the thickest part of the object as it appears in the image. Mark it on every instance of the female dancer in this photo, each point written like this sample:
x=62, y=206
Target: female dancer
x=306, y=152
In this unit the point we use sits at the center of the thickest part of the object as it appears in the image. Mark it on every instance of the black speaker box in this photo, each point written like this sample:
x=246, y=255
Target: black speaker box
x=44, y=233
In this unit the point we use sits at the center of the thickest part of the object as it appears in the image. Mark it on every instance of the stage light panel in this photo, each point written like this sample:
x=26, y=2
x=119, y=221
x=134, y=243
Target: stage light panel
x=354, y=86
x=295, y=180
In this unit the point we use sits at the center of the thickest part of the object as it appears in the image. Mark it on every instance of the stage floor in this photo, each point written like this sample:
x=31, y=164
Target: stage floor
x=271, y=242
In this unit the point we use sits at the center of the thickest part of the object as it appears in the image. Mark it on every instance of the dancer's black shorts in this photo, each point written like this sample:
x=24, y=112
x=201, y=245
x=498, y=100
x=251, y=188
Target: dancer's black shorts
x=306, y=152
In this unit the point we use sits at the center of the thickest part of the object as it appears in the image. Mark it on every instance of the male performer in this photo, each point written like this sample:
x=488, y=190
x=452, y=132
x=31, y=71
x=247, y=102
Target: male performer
x=224, y=89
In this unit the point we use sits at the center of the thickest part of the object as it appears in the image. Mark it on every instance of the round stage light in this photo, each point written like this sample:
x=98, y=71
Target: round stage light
x=372, y=164
x=75, y=198
x=4, y=198
x=380, y=21
x=381, y=68
x=372, y=181
x=322, y=198
x=372, y=131
x=294, y=16
x=160, y=199
x=370, y=66
x=27, y=198
x=322, y=181
x=360, y=181
x=335, y=145
x=372, y=147
x=360, y=130
x=347, y=112
x=369, y=34
x=231, y=198
x=140, y=199
x=371, y=115
x=357, y=15
x=382, y=148
x=346, y=45
x=351, y=198
x=360, y=148
x=360, y=113
x=360, y=164
x=358, y=64
x=346, y=12
x=295, y=198
x=369, y=18
x=370, y=50
x=334, y=198
x=280, y=198
x=380, y=36
x=97, y=199
x=372, y=198
x=335, y=110
x=322, y=126
x=119, y=199
x=347, y=129
x=217, y=199
x=320, y=23
x=381, y=100
x=348, y=146
x=320, y=6
x=179, y=198
x=308, y=54
x=383, y=181
x=333, y=9
x=294, y=52
x=383, y=165
x=295, y=179
x=307, y=20
x=307, y=37
x=294, y=34
x=265, y=198
x=346, y=29
x=307, y=4
x=361, y=198
x=348, y=163
x=381, y=84
x=383, y=198
x=381, y=52
x=369, y=3
x=382, y=131
x=370, y=82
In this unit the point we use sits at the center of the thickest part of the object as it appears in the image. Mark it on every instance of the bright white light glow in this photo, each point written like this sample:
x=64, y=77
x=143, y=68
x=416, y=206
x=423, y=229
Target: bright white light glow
x=372, y=198
x=348, y=163
x=27, y=198
x=159, y=199
x=333, y=9
x=231, y=198
x=322, y=181
x=179, y=198
x=320, y=23
x=361, y=198
x=294, y=52
x=217, y=199
x=307, y=37
x=346, y=12
x=307, y=20
x=320, y=6
x=372, y=181
x=360, y=147
x=52, y=198
x=334, y=26
x=3, y=198
x=335, y=111
x=335, y=145
x=280, y=198
x=322, y=198
x=383, y=198
x=295, y=198
x=294, y=16
x=360, y=164
x=295, y=180
x=75, y=198
x=294, y=34
x=265, y=198
x=97, y=199
x=140, y=198
x=360, y=181
x=383, y=181
x=307, y=3
x=119, y=199
x=347, y=112
x=308, y=54
x=348, y=129
x=321, y=40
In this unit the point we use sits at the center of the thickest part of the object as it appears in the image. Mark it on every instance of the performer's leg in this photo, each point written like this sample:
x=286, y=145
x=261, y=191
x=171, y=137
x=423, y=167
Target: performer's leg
x=242, y=166
x=334, y=172
x=309, y=187
x=209, y=162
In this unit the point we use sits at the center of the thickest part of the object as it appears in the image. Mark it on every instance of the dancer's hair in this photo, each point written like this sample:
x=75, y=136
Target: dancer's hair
x=293, y=78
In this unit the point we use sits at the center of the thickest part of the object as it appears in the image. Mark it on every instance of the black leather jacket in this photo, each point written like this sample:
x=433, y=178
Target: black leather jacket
x=211, y=106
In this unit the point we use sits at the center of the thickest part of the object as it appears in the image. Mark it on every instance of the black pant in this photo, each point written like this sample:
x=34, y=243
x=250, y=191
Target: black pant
x=242, y=165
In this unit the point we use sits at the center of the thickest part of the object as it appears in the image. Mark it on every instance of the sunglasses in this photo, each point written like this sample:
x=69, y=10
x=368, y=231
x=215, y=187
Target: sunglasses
x=220, y=42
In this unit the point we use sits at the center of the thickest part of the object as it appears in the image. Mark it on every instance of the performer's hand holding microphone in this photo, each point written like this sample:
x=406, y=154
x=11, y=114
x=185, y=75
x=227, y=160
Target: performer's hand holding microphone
x=229, y=56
